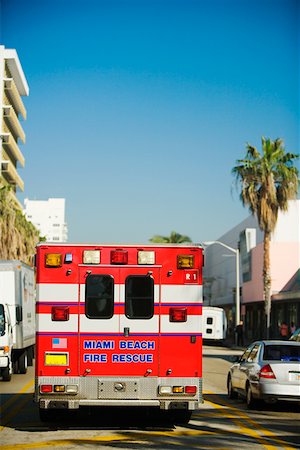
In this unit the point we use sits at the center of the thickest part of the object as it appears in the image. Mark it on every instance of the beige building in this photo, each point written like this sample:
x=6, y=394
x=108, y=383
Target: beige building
x=13, y=86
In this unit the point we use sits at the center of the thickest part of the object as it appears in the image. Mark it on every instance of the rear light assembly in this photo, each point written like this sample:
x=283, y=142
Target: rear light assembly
x=59, y=389
x=171, y=390
x=266, y=372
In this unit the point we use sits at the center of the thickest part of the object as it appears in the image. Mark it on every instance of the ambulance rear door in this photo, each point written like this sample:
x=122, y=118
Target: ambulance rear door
x=139, y=321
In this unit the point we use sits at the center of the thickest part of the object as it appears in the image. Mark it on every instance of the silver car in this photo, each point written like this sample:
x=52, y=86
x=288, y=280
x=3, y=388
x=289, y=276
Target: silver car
x=267, y=370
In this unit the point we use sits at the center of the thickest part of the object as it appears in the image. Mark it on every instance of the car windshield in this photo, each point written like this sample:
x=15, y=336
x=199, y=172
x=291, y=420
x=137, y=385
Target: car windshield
x=283, y=352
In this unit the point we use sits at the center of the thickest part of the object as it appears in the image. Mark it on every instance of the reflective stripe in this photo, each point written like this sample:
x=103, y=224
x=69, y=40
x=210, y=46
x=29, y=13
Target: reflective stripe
x=44, y=323
x=60, y=292
x=57, y=292
x=191, y=326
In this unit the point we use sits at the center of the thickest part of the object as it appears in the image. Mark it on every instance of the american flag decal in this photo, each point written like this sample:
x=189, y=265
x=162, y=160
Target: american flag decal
x=59, y=343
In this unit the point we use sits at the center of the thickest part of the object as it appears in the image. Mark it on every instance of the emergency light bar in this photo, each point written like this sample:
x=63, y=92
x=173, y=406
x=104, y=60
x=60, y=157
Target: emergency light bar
x=91, y=256
x=60, y=313
x=178, y=314
x=146, y=257
x=53, y=259
x=119, y=257
x=185, y=261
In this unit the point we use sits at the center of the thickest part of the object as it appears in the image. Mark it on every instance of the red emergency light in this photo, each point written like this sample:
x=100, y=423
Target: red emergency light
x=119, y=257
x=60, y=313
x=178, y=314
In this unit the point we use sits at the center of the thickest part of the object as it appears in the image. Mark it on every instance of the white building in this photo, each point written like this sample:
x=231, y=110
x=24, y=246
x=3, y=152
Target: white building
x=48, y=216
x=13, y=86
x=220, y=272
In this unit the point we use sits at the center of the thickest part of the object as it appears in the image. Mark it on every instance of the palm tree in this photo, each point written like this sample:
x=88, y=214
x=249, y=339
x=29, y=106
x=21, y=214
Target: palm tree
x=18, y=237
x=174, y=238
x=268, y=180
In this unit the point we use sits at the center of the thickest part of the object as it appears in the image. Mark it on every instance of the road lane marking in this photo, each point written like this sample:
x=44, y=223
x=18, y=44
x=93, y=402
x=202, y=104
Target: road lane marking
x=130, y=437
x=269, y=434
x=13, y=399
x=237, y=416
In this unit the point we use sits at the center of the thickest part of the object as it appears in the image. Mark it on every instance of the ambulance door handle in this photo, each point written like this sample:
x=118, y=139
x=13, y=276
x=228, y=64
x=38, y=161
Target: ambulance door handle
x=126, y=331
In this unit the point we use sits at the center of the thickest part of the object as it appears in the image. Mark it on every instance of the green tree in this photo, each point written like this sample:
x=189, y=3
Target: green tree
x=174, y=238
x=18, y=237
x=268, y=180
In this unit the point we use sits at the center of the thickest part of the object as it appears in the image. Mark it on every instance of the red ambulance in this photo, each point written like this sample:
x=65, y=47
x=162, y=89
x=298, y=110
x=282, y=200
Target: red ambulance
x=119, y=326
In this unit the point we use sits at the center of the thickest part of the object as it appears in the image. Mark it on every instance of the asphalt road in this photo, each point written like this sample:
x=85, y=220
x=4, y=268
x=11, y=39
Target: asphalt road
x=219, y=424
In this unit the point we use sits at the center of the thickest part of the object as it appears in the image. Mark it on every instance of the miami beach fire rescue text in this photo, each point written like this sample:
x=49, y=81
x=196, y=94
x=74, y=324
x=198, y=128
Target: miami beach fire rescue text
x=119, y=326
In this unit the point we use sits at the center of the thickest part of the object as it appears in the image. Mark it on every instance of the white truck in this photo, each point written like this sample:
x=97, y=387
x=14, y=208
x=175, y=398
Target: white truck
x=17, y=317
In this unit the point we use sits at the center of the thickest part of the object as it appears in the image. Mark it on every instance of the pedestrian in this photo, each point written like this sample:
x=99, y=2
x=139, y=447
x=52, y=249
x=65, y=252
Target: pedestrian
x=240, y=334
x=292, y=328
x=284, y=330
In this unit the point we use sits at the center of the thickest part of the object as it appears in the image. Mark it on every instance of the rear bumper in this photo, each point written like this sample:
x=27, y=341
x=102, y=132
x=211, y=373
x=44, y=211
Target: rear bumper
x=59, y=403
x=280, y=392
x=126, y=391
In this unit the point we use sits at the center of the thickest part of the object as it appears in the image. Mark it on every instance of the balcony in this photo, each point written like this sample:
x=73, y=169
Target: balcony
x=11, y=88
x=10, y=144
x=10, y=173
x=13, y=121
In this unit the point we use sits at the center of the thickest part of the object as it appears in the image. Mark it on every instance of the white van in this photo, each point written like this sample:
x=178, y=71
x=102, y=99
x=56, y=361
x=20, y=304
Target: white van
x=214, y=323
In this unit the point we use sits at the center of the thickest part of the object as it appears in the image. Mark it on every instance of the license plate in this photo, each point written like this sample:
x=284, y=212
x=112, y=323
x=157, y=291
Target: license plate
x=294, y=376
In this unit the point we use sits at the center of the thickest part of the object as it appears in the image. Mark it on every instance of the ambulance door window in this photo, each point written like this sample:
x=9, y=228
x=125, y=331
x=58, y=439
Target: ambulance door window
x=99, y=297
x=139, y=297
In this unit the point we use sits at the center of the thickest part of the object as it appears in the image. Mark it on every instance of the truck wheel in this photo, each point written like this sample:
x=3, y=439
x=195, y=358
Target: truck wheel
x=6, y=374
x=23, y=362
x=30, y=356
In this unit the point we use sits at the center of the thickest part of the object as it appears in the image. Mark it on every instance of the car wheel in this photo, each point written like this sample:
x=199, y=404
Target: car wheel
x=231, y=392
x=251, y=402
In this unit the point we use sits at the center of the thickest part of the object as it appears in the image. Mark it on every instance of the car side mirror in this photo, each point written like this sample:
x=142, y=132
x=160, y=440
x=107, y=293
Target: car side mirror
x=234, y=358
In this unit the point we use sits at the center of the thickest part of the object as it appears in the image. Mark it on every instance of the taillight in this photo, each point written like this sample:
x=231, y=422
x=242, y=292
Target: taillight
x=266, y=372
x=60, y=313
x=45, y=388
x=178, y=314
x=119, y=257
x=190, y=389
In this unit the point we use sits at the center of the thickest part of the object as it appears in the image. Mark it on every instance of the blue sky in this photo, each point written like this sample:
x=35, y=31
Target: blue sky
x=139, y=109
